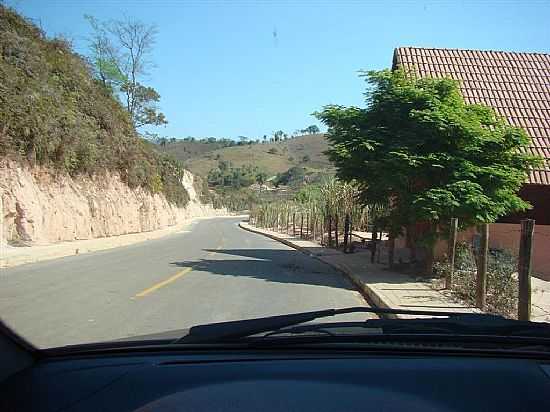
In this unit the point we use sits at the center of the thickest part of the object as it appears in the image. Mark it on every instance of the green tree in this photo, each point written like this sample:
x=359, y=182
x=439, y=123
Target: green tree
x=278, y=135
x=421, y=150
x=119, y=52
x=313, y=129
x=261, y=178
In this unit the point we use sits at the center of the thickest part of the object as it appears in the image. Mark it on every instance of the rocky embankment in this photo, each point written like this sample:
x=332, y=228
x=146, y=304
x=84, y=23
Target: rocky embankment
x=41, y=207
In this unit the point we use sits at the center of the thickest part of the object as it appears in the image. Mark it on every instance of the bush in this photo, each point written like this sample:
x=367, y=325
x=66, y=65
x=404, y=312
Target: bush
x=235, y=199
x=294, y=176
x=227, y=175
x=273, y=151
x=502, y=284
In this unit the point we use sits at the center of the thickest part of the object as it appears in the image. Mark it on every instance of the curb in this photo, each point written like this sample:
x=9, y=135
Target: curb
x=368, y=294
x=278, y=239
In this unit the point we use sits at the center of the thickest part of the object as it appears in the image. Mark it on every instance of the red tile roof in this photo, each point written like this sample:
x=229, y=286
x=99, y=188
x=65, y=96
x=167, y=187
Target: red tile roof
x=516, y=85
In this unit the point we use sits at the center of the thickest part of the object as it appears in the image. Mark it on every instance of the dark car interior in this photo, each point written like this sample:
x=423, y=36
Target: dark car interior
x=386, y=376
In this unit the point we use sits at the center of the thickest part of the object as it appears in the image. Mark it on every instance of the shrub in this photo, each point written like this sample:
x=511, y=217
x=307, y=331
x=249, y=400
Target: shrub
x=502, y=284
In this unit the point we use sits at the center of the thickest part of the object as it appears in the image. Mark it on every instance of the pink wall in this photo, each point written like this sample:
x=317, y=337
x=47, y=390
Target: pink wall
x=507, y=236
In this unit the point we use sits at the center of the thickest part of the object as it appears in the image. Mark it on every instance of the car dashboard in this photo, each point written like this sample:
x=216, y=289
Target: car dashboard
x=274, y=381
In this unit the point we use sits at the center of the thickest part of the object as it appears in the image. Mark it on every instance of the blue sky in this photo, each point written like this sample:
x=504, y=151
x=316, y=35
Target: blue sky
x=230, y=68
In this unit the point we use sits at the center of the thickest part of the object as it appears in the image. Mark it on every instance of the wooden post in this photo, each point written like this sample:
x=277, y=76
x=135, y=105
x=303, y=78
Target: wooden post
x=301, y=225
x=481, y=284
x=524, y=269
x=346, y=232
x=336, y=231
x=307, y=225
x=372, y=250
x=350, y=233
x=329, y=231
x=288, y=222
x=452, y=251
x=322, y=223
x=294, y=224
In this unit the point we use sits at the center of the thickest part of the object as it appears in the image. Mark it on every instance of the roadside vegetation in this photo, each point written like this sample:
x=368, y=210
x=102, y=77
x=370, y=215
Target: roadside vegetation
x=418, y=149
x=325, y=212
x=502, y=283
x=57, y=110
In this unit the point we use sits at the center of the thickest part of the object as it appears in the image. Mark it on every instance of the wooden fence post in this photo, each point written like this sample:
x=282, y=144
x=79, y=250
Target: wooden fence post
x=307, y=225
x=452, y=251
x=346, y=232
x=350, y=232
x=287, y=222
x=294, y=224
x=481, y=284
x=524, y=269
x=301, y=225
x=329, y=231
x=336, y=231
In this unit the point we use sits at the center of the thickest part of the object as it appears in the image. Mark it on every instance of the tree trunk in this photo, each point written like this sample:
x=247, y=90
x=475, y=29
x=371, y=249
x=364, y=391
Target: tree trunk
x=391, y=251
x=429, y=262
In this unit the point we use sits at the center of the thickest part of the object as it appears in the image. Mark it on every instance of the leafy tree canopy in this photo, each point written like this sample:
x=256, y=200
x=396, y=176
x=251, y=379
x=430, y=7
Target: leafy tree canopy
x=420, y=149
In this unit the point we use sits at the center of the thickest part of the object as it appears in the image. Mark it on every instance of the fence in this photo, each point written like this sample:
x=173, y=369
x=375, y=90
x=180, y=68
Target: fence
x=314, y=221
x=493, y=278
x=471, y=263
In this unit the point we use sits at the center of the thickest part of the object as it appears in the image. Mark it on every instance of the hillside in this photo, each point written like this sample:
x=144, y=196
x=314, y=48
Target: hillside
x=54, y=113
x=277, y=157
x=184, y=150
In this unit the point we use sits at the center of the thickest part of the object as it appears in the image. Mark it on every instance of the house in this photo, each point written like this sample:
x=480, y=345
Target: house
x=517, y=86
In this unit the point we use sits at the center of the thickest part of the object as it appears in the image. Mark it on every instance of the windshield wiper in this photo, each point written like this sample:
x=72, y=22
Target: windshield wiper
x=232, y=330
x=468, y=324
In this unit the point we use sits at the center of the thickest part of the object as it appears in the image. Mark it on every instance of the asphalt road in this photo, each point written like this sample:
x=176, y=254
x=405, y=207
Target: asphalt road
x=212, y=272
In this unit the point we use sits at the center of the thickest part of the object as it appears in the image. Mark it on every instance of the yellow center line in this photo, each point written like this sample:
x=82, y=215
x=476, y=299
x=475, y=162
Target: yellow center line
x=164, y=282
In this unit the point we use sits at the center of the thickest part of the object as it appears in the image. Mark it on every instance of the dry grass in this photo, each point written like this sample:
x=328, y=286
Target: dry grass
x=289, y=153
x=502, y=283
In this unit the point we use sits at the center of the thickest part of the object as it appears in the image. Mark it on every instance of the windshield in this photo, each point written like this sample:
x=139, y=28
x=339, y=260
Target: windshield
x=166, y=165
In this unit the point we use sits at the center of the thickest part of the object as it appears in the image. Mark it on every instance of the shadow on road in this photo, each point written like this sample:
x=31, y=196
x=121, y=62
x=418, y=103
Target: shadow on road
x=271, y=265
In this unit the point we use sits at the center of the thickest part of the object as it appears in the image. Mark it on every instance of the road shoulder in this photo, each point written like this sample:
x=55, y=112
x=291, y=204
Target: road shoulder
x=15, y=256
x=381, y=287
